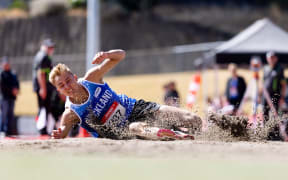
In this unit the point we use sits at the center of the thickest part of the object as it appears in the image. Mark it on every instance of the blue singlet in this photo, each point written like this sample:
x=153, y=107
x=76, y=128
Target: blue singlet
x=104, y=108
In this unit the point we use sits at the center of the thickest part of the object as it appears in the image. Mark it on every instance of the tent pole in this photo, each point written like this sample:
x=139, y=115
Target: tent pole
x=204, y=91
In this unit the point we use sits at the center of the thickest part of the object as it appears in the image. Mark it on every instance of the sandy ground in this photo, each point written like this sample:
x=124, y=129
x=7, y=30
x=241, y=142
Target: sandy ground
x=90, y=158
x=150, y=149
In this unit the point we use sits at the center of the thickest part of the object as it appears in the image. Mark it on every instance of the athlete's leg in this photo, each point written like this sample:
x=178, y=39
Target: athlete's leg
x=143, y=130
x=178, y=117
x=155, y=133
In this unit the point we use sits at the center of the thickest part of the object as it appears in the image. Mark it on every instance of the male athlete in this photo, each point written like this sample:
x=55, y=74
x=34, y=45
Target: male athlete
x=97, y=108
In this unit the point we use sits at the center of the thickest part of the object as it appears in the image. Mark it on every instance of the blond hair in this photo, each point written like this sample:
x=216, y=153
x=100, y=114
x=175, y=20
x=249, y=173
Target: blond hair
x=57, y=71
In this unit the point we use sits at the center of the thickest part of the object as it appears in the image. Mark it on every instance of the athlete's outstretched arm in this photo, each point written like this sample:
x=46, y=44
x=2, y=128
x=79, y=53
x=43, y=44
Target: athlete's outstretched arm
x=69, y=118
x=106, y=60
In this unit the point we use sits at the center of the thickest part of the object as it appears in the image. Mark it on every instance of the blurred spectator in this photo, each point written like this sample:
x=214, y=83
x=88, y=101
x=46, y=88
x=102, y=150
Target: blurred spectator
x=274, y=83
x=171, y=96
x=10, y=90
x=213, y=105
x=235, y=88
x=44, y=89
x=284, y=106
x=57, y=105
x=219, y=105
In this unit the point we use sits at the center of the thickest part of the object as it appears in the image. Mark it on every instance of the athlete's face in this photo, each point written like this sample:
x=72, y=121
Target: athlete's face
x=67, y=84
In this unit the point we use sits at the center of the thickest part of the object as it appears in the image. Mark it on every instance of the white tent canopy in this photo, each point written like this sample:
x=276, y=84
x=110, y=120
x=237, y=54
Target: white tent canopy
x=260, y=37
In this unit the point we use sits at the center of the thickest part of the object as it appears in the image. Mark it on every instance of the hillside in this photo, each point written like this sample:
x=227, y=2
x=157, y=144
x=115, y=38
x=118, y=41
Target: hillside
x=165, y=25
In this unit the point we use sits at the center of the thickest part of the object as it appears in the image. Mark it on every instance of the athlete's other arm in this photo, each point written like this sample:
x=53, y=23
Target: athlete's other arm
x=68, y=119
x=106, y=60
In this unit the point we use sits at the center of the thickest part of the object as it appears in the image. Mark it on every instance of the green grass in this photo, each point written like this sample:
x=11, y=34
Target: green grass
x=64, y=166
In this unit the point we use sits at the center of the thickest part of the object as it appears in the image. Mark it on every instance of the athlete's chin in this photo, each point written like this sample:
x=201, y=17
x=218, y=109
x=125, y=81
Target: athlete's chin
x=70, y=95
x=67, y=94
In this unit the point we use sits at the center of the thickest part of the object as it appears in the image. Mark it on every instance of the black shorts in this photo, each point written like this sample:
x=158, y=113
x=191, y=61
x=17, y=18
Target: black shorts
x=143, y=111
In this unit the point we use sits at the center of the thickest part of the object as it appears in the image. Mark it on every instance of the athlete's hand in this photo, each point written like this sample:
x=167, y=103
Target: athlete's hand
x=56, y=134
x=100, y=57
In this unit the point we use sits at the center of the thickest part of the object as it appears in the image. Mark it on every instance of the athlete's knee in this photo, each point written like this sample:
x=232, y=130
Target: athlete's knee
x=195, y=120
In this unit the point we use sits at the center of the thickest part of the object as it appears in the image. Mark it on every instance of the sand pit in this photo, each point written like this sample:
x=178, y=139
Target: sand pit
x=151, y=149
x=90, y=158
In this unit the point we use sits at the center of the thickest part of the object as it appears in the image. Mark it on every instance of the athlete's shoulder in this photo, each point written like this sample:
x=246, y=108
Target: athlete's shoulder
x=84, y=81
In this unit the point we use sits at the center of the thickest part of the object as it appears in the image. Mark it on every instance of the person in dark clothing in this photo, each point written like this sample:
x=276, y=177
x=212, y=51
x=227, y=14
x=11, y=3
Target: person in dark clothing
x=10, y=90
x=235, y=88
x=274, y=83
x=41, y=68
x=171, y=96
x=57, y=105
